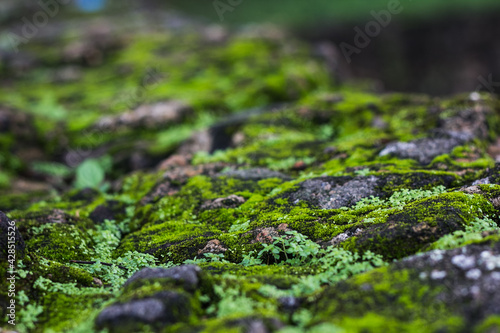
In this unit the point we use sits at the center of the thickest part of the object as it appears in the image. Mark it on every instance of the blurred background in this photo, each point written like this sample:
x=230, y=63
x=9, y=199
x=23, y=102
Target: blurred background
x=66, y=81
x=433, y=46
x=436, y=47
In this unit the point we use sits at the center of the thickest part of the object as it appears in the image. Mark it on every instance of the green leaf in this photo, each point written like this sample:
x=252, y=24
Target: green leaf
x=89, y=174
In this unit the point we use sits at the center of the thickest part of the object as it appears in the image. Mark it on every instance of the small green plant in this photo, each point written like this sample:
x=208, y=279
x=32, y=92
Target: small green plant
x=295, y=247
x=237, y=226
x=471, y=233
x=398, y=199
x=234, y=302
x=92, y=172
x=362, y=172
x=89, y=174
x=28, y=317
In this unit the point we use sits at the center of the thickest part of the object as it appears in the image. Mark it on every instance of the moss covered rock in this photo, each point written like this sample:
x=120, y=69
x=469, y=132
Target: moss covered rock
x=186, y=181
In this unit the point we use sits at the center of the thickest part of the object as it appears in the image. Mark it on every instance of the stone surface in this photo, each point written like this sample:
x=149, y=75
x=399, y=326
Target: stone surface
x=166, y=307
x=331, y=193
x=466, y=281
x=147, y=116
x=187, y=274
x=422, y=150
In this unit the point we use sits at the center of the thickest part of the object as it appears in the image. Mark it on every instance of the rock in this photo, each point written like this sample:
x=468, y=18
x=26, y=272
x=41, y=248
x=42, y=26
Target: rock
x=107, y=211
x=493, y=197
x=189, y=275
x=253, y=325
x=254, y=174
x=231, y=201
x=334, y=192
x=164, y=188
x=147, y=116
x=464, y=283
x=200, y=141
x=267, y=235
x=342, y=237
x=221, y=135
x=419, y=224
x=166, y=307
x=86, y=195
x=57, y=216
x=213, y=246
x=468, y=123
x=174, y=161
x=289, y=303
x=174, y=178
x=99, y=39
x=10, y=235
x=422, y=150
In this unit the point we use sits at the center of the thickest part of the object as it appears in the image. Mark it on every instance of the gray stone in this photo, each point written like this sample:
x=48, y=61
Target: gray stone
x=335, y=192
x=464, y=282
x=422, y=150
x=254, y=174
x=145, y=310
x=159, y=310
x=189, y=274
x=147, y=116
x=232, y=201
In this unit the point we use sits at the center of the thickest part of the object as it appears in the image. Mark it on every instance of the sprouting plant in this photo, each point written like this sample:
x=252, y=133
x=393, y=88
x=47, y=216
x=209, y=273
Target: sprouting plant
x=215, y=257
x=250, y=259
x=331, y=264
x=295, y=247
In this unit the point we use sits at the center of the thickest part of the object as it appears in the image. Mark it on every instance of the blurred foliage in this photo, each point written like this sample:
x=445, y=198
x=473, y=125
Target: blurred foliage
x=297, y=13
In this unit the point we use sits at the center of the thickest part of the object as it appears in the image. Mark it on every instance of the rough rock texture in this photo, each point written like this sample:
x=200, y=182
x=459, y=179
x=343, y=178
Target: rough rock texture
x=188, y=274
x=166, y=307
x=266, y=198
x=422, y=150
x=333, y=193
x=147, y=116
x=455, y=289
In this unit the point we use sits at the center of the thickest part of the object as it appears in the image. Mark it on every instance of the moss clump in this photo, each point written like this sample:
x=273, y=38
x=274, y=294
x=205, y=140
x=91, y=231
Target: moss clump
x=63, y=312
x=422, y=222
x=61, y=242
x=388, y=299
x=60, y=273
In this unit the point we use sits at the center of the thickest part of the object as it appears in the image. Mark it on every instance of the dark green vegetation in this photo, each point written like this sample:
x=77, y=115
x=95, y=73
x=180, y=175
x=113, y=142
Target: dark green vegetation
x=297, y=12
x=261, y=196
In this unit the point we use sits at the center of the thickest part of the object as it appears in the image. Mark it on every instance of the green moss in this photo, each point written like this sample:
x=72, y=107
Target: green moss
x=374, y=322
x=387, y=299
x=420, y=223
x=63, y=313
x=61, y=242
x=490, y=324
x=64, y=274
